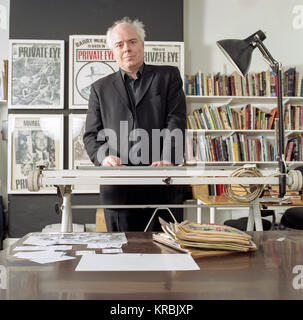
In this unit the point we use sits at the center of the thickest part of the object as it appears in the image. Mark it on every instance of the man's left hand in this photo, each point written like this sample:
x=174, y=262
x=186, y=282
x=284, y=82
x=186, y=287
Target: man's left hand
x=162, y=163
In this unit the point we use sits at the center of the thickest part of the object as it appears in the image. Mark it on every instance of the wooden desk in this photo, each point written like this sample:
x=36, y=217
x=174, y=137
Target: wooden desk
x=264, y=274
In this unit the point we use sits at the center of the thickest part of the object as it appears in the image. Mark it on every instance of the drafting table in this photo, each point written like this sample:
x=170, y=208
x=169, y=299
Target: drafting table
x=64, y=179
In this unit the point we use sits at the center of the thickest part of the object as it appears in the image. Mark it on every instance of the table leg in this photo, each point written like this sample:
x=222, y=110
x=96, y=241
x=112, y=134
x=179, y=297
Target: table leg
x=66, y=223
x=250, y=221
x=212, y=213
x=257, y=216
x=199, y=212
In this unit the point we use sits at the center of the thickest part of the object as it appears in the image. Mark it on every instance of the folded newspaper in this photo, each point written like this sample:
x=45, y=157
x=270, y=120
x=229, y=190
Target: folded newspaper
x=203, y=239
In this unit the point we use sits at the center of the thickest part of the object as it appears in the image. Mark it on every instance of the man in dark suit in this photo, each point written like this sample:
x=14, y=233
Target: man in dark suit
x=127, y=110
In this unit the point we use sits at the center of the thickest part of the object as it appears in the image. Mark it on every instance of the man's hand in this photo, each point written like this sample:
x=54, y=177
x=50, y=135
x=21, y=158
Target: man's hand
x=111, y=161
x=162, y=163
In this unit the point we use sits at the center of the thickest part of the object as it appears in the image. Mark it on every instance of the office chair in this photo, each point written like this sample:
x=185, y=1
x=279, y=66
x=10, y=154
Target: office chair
x=292, y=218
x=241, y=223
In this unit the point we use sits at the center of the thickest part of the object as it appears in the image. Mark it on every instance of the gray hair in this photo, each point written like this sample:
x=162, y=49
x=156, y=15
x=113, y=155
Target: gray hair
x=137, y=24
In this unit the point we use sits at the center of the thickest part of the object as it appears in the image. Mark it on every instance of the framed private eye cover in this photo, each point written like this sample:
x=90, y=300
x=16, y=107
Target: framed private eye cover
x=36, y=74
x=77, y=154
x=33, y=140
x=89, y=60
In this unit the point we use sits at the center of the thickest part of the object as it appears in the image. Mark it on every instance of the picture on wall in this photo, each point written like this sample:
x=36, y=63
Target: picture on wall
x=77, y=154
x=165, y=53
x=89, y=60
x=34, y=140
x=36, y=74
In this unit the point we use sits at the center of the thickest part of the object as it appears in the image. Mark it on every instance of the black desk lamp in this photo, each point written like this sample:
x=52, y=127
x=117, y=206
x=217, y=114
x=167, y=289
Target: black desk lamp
x=239, y=53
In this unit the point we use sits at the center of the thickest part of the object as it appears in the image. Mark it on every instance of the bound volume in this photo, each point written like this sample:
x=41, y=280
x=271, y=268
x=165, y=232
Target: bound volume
x=202, y=239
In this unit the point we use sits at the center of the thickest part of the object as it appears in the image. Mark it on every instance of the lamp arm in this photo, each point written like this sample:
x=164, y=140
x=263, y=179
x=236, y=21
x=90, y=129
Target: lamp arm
x=274, y=64
x=277, y=68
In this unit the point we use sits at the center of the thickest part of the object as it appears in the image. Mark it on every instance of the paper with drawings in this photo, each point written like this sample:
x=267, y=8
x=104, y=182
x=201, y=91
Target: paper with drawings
x=77, y=238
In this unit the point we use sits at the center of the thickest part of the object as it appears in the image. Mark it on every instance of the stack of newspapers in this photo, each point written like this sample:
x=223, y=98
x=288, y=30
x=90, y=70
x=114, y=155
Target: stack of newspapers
x=202, y=239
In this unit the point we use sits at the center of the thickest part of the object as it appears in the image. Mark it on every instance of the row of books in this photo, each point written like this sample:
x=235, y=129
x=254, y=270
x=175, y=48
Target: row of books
x=273, y=192
x=3, y=79
x=253, y=84
x=237, y=147
x=293, y=117
x=293, y=149
x=240, y=147
x=209, y=117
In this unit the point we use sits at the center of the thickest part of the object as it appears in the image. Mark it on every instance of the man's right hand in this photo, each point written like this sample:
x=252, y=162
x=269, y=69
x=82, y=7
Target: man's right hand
x=111, y=161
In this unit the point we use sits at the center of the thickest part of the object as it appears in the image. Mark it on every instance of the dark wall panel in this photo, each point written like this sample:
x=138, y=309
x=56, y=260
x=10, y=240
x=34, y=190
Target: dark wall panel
x=57, y=19
x=31, y=213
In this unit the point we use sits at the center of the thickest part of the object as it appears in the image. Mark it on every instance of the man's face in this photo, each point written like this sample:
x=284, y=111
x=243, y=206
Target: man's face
x=40, y=141
x=128, y=48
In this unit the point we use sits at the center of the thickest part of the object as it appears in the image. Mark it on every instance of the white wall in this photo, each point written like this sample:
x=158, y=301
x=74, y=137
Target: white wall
x=207, y=21
x=4, y=35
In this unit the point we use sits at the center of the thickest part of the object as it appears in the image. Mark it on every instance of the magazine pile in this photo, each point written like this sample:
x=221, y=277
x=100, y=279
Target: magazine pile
x=204, y=239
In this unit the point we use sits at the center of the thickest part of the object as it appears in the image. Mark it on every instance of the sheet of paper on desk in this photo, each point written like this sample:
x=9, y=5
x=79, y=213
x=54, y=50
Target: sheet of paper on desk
x=37, y=254
x=81, y=253
x=41, y=248
x=136, y=262
x=42, y=257
x=104, y=245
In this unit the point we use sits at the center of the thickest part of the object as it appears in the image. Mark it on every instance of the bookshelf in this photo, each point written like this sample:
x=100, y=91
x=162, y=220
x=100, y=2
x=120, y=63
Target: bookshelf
x=238, y=102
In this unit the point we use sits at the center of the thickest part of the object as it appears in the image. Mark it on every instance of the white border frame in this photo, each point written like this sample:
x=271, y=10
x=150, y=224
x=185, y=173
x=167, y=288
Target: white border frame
x=11, y=118
x=10, y=70
x=71, y=153
x=170, y=43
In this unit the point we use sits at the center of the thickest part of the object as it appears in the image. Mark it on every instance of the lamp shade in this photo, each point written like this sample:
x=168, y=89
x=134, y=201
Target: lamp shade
x=239, y=52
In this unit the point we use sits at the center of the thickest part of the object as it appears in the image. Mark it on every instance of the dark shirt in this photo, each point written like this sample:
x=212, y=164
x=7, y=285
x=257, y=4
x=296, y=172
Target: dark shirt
x=133, y=86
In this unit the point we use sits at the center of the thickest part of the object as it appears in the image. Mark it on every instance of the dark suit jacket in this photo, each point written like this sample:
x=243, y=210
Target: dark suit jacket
x=161, y=105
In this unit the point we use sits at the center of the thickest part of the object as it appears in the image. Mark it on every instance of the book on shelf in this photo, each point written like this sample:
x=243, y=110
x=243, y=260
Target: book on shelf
x=253, y=84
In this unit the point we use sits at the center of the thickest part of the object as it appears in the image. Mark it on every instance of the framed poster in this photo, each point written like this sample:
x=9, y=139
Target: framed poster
x=165, y=53
x=89, y=60
x=33, y=140
x=77, y=154
x=36, y=74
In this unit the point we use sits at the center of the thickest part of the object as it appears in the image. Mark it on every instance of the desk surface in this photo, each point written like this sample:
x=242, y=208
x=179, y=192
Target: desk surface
x=264, y=274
